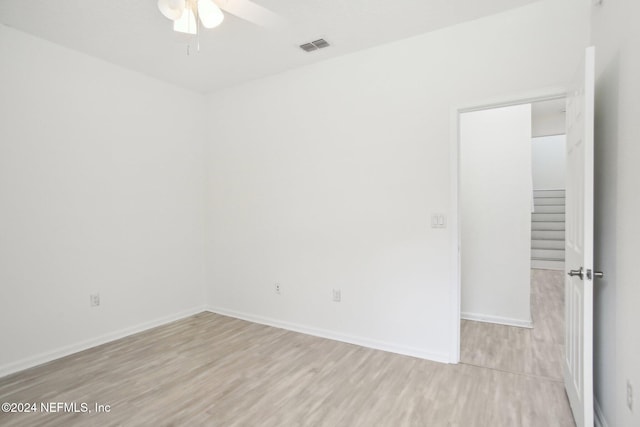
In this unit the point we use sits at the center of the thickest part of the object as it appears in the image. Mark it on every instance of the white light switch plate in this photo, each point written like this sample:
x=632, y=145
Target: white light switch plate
x=438, y=221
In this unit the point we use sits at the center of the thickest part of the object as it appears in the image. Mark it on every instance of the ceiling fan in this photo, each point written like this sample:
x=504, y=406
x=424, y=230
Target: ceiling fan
x=186, y=14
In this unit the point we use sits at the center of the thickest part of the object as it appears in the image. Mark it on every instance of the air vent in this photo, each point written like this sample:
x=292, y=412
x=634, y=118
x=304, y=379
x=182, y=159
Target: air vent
x=320, y=43
x=314, y=45
x=308, y=47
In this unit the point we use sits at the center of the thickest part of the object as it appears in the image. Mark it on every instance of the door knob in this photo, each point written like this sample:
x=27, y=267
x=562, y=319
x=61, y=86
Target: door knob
x=598, y=274
x=579, y=273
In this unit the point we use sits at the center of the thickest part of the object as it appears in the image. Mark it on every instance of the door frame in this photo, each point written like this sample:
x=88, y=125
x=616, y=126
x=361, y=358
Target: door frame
x=504, y=101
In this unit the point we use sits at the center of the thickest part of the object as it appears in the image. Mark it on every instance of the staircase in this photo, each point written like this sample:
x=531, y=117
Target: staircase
x=547, y=229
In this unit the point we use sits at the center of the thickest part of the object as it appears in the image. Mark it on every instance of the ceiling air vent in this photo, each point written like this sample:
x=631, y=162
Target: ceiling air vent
x=314, y=45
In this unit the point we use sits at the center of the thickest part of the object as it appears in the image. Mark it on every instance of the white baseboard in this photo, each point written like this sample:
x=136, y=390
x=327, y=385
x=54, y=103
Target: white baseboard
x=48, y=356
x=336, y=336
x=600, y=420
x=497, y=319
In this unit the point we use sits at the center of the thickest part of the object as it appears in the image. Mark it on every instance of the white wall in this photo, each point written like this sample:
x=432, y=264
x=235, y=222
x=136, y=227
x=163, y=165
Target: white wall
x=616, y=36
x=101, y=190
x=548, y=158
x=548, y=124
x=495, y=214
x=326, y=177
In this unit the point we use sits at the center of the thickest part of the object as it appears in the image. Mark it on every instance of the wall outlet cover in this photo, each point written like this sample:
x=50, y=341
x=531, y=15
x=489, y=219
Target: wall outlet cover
x=94, y=300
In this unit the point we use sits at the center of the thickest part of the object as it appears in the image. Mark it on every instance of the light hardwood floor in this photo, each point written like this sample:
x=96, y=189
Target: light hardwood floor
x=212, y=370
x=536, y=351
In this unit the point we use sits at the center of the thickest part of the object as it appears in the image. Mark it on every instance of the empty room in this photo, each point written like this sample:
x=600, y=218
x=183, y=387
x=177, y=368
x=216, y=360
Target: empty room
x=319, y=213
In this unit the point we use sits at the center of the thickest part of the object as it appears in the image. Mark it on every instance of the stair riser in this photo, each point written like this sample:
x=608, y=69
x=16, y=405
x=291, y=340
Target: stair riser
x=549, y=254
x=555, y=235
x=547, y=217
x=548, y=201
x=550, y=209
x=548, y=265
x=547, y=226
x=547, y=244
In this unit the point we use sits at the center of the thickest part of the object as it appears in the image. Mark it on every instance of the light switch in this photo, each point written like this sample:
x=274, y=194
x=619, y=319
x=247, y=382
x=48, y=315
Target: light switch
x=438, y=221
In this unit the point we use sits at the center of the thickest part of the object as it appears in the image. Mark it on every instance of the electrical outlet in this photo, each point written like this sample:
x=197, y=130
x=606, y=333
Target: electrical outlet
x=276, y=288
x=629, y=395
x=337, y=295
x=94, y=300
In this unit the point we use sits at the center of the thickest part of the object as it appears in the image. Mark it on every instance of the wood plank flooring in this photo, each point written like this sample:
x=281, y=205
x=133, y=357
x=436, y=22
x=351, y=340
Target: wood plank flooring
x=212, y=370
x=536, y=351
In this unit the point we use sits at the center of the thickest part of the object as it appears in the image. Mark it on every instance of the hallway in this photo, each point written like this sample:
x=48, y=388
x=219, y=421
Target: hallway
x=537, y=351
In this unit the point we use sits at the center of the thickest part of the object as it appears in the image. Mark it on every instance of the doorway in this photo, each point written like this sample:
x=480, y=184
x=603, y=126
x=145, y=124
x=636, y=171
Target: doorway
x=548, y=145
x=511, y=198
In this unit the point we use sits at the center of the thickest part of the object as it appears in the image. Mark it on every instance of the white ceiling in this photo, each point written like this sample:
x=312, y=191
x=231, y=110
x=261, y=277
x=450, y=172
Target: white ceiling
x=552, y=108
x=133, y=33
x=549, y=111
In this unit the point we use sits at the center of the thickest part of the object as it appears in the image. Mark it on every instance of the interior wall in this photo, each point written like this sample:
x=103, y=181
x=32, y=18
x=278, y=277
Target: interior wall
x=548, y=162
x=101, y=190
x=548, y=124
x=327, y=177
x=495, y=214
x=616, y=36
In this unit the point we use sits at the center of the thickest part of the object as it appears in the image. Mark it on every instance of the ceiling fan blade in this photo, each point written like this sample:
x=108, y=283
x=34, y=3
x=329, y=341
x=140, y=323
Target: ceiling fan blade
x=251, y=12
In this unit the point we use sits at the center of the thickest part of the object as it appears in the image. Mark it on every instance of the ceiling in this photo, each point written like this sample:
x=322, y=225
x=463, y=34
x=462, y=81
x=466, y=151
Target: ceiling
x=548, y=118
x=551, y=108
x=549, y=111
x=135, y=35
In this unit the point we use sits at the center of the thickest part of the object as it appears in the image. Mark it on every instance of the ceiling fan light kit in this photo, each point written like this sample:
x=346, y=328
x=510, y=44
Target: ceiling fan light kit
x=210, y=14
x=185, y=14
x=172, y=9
x=186, y=23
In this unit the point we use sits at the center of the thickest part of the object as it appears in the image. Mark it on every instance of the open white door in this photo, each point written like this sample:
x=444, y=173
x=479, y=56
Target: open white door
x=578, y=366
